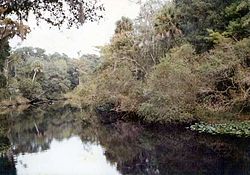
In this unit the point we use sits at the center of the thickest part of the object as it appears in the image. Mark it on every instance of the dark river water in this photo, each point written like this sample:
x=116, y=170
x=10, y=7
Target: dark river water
x=53, y=140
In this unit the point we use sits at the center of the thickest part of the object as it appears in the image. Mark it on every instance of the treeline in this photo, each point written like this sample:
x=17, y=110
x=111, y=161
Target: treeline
x=31, y=73
x=178, y=61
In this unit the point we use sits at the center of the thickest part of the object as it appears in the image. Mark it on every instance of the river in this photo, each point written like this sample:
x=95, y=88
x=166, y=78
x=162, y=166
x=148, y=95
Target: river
x=54, y=140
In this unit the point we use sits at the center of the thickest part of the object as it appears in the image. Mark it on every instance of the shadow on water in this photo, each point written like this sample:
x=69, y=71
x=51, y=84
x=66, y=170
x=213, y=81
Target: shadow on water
x=128, y=148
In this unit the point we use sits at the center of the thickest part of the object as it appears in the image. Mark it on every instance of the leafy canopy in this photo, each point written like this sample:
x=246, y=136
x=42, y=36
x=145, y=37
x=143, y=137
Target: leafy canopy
x=55, y=12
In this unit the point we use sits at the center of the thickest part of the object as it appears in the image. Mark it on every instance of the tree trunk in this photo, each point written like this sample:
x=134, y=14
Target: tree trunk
x=34, y=76
x=6, y=70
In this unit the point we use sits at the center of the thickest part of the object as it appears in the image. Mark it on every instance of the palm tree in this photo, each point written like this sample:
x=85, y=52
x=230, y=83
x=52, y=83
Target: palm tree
x=37, y=66
x=124, y=25
x=166, y=23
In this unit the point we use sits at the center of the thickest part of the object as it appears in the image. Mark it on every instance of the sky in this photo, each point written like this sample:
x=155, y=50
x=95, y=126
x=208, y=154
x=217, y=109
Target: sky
x=75, y=42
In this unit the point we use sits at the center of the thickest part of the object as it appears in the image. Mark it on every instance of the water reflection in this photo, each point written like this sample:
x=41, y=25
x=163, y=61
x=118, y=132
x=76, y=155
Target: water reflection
x=66, y=157
x=54, y=140
x=140, y=151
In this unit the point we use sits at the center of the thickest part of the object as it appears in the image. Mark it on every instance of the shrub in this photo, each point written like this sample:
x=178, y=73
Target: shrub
x=171, y=87
x=224, y=72
x=3, y=81
x=4, y=94
x=29, y=89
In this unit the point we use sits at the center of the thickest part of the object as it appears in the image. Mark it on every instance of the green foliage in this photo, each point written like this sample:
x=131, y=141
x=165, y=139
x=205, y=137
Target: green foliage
x=124, y=25
x=122, y=42
x=13, y=14
x=221, y=58
x=4, y=52
x=238, y=14
x=4, y=144
x=57, y=12
x=153, y=65
x=171, y=88
x=195, y=17
x=30, y=89
x=216, y=37
x=3, y=81
x=224, y=72
x=176, y=58
x=56, y=74
x=4, y=94
x=166, y=22
x=239, y=129
x=242, y=49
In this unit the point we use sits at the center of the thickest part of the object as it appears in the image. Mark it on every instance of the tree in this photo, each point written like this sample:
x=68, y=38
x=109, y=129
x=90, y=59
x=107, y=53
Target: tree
x=30, y=90
x=124, y=25
x=37, y=67
x=122, y=40
x=55, y=12
x=195, y=17
x=3, y=81
x=55, y=74
x=238, y=17
x=4, y=52
x=166, y=23
x=13, y=14
x=150, y=49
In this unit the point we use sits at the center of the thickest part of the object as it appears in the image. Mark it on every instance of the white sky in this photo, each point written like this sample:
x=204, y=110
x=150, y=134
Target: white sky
x=71, y=41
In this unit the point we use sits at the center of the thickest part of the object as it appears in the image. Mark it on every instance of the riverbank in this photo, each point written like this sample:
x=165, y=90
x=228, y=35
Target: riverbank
x=235, y=125
x=12, y=103
x=21, y=101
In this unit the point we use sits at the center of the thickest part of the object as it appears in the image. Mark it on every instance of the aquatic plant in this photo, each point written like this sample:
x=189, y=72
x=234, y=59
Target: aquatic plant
x=239, y=129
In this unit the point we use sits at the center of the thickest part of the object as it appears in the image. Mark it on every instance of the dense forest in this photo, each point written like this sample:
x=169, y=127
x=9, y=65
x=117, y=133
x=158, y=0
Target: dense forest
x=180, y=61
x=169, y=93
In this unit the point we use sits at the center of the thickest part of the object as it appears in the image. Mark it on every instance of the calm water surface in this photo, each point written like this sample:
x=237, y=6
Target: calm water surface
x=54, y=141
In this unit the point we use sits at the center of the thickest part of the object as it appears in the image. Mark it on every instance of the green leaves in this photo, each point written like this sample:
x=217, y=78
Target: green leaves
x=57, y=13
x=178, y=57
x=10, y=28
x=3, y=81
x=239, y=129
x=124, y=25
x=30, y=89
x=166, y=23
x=35, y=74
x=238, y=16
